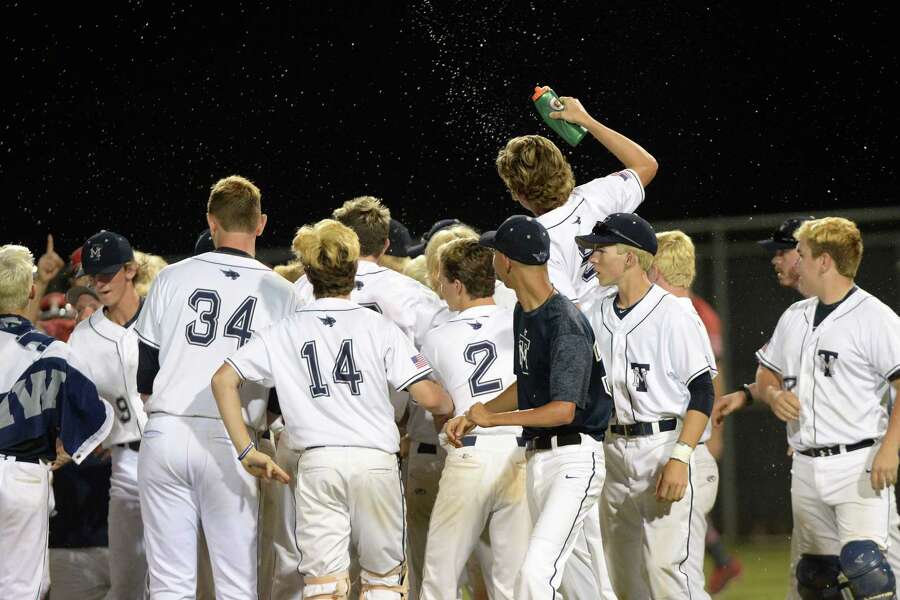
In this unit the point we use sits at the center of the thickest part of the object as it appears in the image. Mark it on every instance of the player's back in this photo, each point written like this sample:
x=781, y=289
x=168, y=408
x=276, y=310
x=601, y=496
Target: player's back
x=570, y=272
x=198, y=312
x=331, y=363
x=473, y=356
x=414, y=308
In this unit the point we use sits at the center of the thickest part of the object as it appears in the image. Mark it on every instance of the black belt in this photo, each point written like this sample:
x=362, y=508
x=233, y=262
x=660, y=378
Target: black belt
x=839, y=449
x=470, y=440
x=426, y=449
x=642, y=429
x=136, y=445
x=35, y=460
x=545, y=442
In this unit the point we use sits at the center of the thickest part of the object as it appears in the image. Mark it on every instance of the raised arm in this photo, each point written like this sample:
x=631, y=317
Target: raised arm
x=630, y=153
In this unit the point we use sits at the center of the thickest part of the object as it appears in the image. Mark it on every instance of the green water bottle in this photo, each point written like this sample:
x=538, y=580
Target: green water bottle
x=546, y=101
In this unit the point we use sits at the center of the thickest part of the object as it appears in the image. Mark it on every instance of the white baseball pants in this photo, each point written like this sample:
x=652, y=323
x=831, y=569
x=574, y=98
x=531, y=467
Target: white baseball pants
x=24, y=527
x=127, y=559
x=479, y=483
x=655, y=549
x=189, y=477
x=350, y=496
x=563, y=486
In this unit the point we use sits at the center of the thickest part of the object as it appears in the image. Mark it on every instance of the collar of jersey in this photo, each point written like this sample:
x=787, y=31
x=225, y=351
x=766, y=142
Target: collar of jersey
x=331, y=304
x=15, y=324
x=108, y=328
x=233, y=252
x=476, y=312
x=365, y=267
x=847, y=304
x=638, y=311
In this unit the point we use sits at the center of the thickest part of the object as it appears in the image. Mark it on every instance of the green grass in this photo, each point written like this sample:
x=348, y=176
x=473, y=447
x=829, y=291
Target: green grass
x=765, y=576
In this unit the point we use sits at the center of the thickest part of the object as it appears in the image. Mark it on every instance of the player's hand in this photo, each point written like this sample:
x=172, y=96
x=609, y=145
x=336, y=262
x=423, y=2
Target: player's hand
x=49, y=264
x=456, y=428
x=673, y=481
x=62, y=457
x=479, y=415
x=573, y=112
x=259, y=464
x=884, y=467
x=785, y=405
x=727, y=404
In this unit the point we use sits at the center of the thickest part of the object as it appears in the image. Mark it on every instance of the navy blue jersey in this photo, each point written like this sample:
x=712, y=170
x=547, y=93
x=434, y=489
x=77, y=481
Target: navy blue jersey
x=555, y=360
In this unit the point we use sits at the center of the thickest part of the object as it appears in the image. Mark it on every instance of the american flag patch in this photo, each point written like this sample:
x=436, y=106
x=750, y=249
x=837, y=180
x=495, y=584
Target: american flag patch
x=419, y=361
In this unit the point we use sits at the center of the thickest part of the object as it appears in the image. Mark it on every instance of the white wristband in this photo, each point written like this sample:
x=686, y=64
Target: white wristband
x=682, y=453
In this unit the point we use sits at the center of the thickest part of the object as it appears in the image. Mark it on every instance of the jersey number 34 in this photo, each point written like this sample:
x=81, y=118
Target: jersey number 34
x=207, y=303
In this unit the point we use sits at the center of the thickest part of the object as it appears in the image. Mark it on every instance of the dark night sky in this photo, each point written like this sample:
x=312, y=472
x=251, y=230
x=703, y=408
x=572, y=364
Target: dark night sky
x=121, y=120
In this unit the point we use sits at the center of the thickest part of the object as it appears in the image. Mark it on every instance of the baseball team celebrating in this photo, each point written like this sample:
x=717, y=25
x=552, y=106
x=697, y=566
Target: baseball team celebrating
x=530, y=408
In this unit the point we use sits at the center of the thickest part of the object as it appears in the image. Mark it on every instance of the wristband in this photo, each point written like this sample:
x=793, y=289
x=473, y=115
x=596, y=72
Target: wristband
x=246, y=451
x=747, y=393
x=682, y=453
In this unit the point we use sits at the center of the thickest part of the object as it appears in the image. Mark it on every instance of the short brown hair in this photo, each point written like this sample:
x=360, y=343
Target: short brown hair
x=235, y=203
x=370, y=219
x=839, y=238
x=533, y=168
x=438, y=241
x=675, y=258
x=469, y=262
x=329, y=252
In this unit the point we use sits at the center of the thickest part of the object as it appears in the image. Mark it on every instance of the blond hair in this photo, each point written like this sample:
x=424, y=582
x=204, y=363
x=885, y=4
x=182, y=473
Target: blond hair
x=394, y=263
x=644, y=258
x=236, y=204
x=16, y=277
x=370, y=219
x=467, y=261
x=839, y=238
x=675, y=258
x=438, y=241
x=329, y=252
x=533, y=168
x=417, y=269
x=148, y=267
x=292, y=271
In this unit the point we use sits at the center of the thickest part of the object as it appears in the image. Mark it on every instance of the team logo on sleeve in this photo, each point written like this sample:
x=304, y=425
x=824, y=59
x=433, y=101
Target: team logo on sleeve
x=523, y=344
x=329, y=321
x=827, y=358
x=640, y=376
x=230, y=274
x=419, y=361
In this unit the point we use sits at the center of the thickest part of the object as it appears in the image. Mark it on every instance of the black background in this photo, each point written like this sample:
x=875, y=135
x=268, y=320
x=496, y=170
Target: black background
x=122, y=118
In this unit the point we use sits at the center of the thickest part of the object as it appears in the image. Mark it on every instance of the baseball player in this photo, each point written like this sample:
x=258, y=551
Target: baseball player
x=416, y=310
x=43, y=400
x=540, y=179
x=659, y=365
x=484, y=480
x=833, y=357
x=331, y=364
x=106, y=350
x=198, y=312
x=561, y=407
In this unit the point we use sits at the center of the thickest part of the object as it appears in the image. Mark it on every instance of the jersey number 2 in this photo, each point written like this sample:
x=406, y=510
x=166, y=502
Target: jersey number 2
x=344, y=370
x=202, y=330
x=482, y=355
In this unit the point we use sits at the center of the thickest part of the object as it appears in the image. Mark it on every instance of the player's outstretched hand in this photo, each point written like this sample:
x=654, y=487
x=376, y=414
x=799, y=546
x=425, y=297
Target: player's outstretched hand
x=49, y=263
x=259, y=464
x=785, y=405
x=673, y=481
x=573, y=112
x=884, y=467
x=727, y=404
x=456, y=428
x=62, y=457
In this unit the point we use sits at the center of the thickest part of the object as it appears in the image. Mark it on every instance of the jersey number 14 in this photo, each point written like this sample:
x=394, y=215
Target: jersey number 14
x=344, y=371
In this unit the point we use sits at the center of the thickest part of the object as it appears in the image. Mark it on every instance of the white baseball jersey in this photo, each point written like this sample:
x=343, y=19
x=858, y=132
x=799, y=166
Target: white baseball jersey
x=839, y=370
x=412, y=306
x=570, y=272
x=473, y=358
x=108, y=354
x=331, y=363
x=651, y=355
x=198, y=312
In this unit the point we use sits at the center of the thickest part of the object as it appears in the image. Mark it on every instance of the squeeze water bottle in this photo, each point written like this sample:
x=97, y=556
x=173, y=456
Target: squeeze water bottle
x=545, y=102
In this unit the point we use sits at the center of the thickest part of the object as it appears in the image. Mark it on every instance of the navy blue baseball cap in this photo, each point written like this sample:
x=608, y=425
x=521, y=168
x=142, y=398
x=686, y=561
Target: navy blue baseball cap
x=104, y=253
x=419, y=249
x=521, y=238
x=621, y=228
x=400, y=238
x=783, y=237
x=204, y=243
